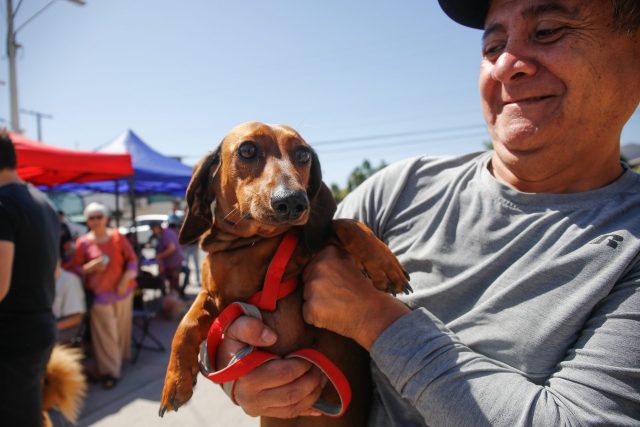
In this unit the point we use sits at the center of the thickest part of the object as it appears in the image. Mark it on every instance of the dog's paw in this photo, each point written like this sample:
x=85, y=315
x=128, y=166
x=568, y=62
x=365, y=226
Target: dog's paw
x=377, y=261
x=178, y=385
x=385, y=271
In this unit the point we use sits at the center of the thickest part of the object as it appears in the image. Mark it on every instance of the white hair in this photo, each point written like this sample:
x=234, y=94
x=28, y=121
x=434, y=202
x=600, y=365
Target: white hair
x=95, y=207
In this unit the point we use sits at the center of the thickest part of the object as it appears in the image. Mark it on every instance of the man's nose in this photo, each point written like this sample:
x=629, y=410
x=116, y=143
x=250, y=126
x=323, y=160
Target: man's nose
x=512, y=65
x=289, y=204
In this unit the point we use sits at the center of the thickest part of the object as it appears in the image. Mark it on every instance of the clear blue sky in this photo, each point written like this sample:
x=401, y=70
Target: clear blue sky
x=181, y=74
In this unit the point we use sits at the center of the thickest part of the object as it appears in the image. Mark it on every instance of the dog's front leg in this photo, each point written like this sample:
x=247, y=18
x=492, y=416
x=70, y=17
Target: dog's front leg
x=183, y=369
x=376, y=259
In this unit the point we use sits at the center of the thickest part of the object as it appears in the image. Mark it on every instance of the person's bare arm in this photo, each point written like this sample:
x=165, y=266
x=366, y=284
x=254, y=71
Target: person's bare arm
x=69, y=321
x=7, y=250
x=168, y=251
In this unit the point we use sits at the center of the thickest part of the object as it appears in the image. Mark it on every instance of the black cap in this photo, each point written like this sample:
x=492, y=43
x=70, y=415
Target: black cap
x=470, y=13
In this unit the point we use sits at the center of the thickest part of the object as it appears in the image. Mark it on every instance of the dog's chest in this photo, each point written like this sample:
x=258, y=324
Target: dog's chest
x=240, y=273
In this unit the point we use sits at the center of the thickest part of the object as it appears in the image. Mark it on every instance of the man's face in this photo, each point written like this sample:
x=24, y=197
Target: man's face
x=557, y=83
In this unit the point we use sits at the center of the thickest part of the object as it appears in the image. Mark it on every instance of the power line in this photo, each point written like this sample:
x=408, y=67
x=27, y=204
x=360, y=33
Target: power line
x=395, y=145
x=348, y=143
x=395, y=135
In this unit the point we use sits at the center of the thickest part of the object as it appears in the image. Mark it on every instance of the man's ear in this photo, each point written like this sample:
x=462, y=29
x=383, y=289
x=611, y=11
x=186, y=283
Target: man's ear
x=200, y=198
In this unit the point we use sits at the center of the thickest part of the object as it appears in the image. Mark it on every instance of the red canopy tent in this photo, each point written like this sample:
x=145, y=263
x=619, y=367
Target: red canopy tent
x=43, y=164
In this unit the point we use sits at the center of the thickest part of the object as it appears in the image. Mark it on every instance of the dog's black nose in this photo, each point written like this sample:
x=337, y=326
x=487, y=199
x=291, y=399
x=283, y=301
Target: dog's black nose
x=289, y=204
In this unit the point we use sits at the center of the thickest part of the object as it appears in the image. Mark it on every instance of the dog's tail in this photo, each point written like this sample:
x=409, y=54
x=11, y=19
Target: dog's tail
x=64, y=383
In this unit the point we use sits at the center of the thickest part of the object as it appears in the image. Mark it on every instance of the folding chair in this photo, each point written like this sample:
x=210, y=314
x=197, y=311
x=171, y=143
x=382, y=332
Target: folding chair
x=147, y=301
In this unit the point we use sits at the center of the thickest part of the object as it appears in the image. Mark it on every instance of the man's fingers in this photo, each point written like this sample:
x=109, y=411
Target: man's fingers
x=251, y=331
x=273, y=374
x=290, y=400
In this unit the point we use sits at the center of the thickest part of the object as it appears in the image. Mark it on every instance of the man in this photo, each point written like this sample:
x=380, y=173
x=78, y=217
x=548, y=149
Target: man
x=169, y=255
x=29, y=242
x=176, y=216
x=69, y=305
x=66, y=238
x=525, y=261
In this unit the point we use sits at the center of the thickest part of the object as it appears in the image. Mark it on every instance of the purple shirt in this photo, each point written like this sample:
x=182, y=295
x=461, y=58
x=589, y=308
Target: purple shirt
x=166, y=238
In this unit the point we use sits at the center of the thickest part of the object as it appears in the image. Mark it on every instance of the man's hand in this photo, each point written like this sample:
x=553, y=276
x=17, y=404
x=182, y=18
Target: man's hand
x=279, y=388
x=340, y=298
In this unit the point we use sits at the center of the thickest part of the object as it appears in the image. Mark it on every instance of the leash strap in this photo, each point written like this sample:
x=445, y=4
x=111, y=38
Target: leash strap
x=269, y=295
x=335, y=375
x=249, y=358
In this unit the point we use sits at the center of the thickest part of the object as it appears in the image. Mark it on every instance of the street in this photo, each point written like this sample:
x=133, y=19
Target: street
x=136, y=399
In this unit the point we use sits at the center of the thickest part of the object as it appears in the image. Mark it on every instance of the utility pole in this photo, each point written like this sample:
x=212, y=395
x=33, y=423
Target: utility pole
x=39, y=116
x=13, y=84
x=12, y=47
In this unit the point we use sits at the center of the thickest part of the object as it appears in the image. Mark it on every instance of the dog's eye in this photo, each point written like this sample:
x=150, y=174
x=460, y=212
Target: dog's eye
x=303, y=155
x=247, y=150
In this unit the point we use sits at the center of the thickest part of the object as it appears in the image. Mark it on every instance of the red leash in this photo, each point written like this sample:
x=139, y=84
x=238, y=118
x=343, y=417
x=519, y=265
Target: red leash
x=249, y=358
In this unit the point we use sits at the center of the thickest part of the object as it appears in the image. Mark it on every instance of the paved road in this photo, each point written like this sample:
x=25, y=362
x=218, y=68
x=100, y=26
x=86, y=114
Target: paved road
x=136, y=398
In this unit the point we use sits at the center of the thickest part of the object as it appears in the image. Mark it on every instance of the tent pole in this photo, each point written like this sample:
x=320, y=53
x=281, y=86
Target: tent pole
x=132, y=198
x=117, y=188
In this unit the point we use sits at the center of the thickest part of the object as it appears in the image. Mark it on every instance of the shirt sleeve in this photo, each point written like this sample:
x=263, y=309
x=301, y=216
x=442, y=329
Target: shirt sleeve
x=79, y=257
x=597, y=383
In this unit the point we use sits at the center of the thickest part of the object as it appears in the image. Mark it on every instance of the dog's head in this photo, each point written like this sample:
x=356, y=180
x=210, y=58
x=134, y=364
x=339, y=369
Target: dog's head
x=260, y=181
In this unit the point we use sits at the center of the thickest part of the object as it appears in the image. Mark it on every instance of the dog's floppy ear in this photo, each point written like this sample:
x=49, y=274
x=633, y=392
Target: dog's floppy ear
x=322, y=208
x=200, y=198
x=315, y=177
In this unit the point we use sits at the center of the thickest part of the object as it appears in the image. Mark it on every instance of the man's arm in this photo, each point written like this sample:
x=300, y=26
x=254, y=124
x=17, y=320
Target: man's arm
x=171, y=248
x=7, y=250
x=451, y=384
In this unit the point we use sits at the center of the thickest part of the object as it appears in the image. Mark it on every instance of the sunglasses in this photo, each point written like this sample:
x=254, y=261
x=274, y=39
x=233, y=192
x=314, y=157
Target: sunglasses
x=95, y=217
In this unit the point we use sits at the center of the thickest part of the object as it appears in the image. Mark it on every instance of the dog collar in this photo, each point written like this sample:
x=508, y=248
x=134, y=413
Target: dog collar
x=249, y=358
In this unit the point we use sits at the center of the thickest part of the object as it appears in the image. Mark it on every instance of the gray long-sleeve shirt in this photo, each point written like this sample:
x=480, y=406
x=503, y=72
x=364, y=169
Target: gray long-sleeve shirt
x=526, y=306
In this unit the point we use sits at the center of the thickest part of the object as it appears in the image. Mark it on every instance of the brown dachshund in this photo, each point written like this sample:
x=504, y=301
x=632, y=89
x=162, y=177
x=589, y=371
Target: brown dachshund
x=260, y=183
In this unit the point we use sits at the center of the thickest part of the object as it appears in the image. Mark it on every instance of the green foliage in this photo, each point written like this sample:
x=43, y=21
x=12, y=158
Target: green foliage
x=357, y=177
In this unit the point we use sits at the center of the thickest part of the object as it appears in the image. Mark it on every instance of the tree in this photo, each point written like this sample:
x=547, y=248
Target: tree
x=357, y=177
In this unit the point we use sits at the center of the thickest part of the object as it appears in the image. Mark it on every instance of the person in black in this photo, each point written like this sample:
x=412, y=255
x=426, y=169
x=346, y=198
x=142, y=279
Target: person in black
x=29, y=243
x=66, y=239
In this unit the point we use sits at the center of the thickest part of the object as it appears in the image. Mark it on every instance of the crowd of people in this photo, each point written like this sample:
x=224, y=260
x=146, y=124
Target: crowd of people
x=57, y=289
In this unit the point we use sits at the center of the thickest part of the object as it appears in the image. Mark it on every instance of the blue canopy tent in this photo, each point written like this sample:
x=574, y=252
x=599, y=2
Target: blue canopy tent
x=153, y=173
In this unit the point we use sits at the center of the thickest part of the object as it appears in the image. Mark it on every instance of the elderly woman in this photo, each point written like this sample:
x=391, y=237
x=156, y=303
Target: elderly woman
x=108, y=265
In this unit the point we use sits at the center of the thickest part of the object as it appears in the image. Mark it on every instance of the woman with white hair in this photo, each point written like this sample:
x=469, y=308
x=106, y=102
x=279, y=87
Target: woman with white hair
x=108, y=265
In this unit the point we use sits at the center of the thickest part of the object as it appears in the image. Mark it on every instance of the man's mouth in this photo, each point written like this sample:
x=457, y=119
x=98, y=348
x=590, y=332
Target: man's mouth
x=530, y=99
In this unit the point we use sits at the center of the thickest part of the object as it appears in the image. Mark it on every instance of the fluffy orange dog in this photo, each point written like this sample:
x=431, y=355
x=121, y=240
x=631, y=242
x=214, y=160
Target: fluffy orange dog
x=263, y=183
x=64, y=384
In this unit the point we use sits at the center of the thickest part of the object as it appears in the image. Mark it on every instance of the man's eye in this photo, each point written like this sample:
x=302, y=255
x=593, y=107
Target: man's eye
x=548, y=34
x=303, y=156
x=492, y=50
x=247, y=150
